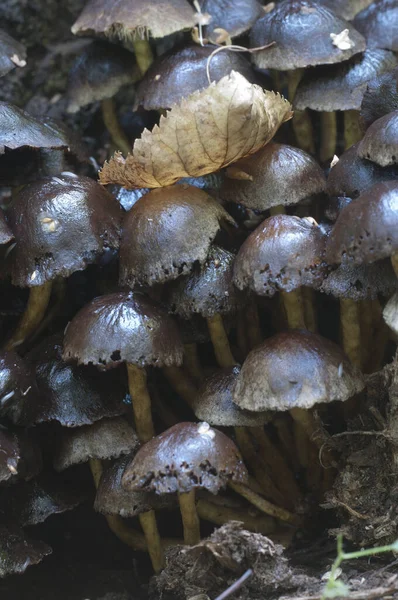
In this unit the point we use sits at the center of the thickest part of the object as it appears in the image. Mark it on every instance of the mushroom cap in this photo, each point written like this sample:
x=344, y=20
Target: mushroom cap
x=283, y=253
x=301, y=30
x=72, y=395
x=113, y=499
x=351, y=175
x=296, y=369
x=135, y=19
x=234, y=16
x=380, y=98
x=9, y=454
x=343, y=85
x=61, y=224
x=377, y=23
x=166, y=232
x=214, y=404
x=12, y=53
x=390, y=313
x=108, y=438
x=361, y=282
x=278, y=175
x=333, y=208
x=367, y=228
x=181, y=72
x=123, y=327
x=346, y=8
x=18, y=552
x=6, y=234
x=185, y=457
x=18, y=388
x=380, y=142
x=20, y=456
x=209, y=289
x=98, y=73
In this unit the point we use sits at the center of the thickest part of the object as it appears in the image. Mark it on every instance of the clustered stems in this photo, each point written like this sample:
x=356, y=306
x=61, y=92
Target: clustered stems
x=223, y=514
x=351, y=329
x=181, y=383
x=39, y=298
x=352, y=129
x=220, y=341
x=149, y=527
x=192, y=362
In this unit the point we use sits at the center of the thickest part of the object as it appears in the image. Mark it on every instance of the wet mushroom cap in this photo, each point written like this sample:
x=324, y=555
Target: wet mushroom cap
x=361, y=282
x=18, y=552
x=233, y=16
x=277, y=175
x=108, y=438
x=296, y=369
x=166, y=232
x=61, y=224
x=181, y=72
x=380, y=142
x=18, y=387
x=185, y=457
x=123, y=327
x=342, y=86
x=214, y=404
x=367, y=229
x=12, y=53
x=380, y=98
x=346, y=8
x=301, y=30
x=283, y=253
x=98, y=73
x=377, y=23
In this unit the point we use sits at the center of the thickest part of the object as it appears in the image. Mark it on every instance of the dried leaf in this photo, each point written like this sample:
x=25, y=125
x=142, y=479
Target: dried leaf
x=207, y=131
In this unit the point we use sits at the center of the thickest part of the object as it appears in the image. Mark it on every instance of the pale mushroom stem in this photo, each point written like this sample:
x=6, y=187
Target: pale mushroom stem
x=39, y=297
x=181, y=383
x=219, y=515
x=351, y=330
x=262, y=504
x=190, y=519
x=366, y=327
x=279, y=209
x=328, y=136
x=112, y=124
x=352, y=129
x=192, y=362
x=294, y=308
x=253, y=325
x=220, y=341
x=286, y=438
x=315, y=433
x=141, y=402
x=150, y=528
x=143, y=55
x=310, y=317
x=380, y=339
x=301, y=121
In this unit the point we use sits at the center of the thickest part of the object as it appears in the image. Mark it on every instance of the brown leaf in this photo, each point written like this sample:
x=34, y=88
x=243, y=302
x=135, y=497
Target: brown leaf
x=207, y=131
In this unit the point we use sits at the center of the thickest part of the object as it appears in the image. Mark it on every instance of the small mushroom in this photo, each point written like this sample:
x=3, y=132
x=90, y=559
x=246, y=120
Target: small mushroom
x=377, y=23
x=380, y=98
x=12, y=53
x=230, y=17
x=380, y=142
x=18, y=552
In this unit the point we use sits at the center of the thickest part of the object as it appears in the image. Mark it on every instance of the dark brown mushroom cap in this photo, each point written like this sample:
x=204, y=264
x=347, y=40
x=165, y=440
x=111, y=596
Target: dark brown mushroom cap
x=113, y=499
x=166, y=232
x=367, y=229
x=346, y=8
x=20, y=456
x=108, y=438
x=181, y=72
x=343, y=85
x=209, y=289
x=283, y=253
x=18, y=552
x=98, y=73
x=380, y=98
x=301, y=30
x=6, y=234
x=214, y=405
x=351, y=175
x=132, y=19
x=72, y=395
x=234, y=16
x=361, y=282
x=12, y=53
x=390, y=313
x=377, y=23
x=185, y=457
x=296, y=369
x=333, y=208
x=380, y=142
x=277, y=175
x=123, y=327
x=18, y=389
x=61, y=224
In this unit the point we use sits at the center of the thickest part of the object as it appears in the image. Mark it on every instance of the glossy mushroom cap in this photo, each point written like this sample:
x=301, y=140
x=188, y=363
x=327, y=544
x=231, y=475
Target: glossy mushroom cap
x=108, y=438
x=297, y=369
x=233, y=16
x=18, y=389
x=346, y=8
x=301, y=30
x=12, y=53
x=342, y=86
x=276, y=175
x=181, y=72
x=283, y=253
x=352, y=175
x=214, y=404
x=380, y=98
x=378, y=23
x=18, y=552
x=135, y=19
x=20, y=456
x=166, y=232
x=123, y=327
x=98, y=73
x=367, y=229
x=72, y=395
x=209, y=289
x=61, y=224
x=113, y=499
x=185, y=457
x=390, y=313
x=380, y=142
x=361, y=282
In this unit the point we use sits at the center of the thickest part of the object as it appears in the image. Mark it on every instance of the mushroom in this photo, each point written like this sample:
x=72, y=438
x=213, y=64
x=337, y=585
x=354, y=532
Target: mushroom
x=229, y=18
x=377, y=24
x=380, y=98
x=346, y=8
x=18, y=552
x=12, y=53
x=18, y=388
x=380, y=142
x=20, y=456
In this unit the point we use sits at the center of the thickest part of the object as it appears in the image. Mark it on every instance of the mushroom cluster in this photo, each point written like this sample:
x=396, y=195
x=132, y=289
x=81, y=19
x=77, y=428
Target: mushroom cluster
x=189, y=314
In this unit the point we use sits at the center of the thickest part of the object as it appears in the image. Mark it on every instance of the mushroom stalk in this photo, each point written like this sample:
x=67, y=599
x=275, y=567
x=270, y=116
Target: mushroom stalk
x=265, y=506
x=190, y=518
x=301, y=121
x=352, y=129
x=149, y=527
x=39, y=297
x=315, y=433
x=293, y=303
x=351, y=330
x=181, y=383
x=112, y=124
x=328, y=136
x=309, y=309
x=220, y=341
x=253, y=325
x=141, y=402
x=192, y=362
x=143, y=55
x=394, y=262
x=219, y=515
x=285, y=435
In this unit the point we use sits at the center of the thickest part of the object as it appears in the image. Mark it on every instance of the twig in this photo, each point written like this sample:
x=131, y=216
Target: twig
x=235, y=586
x=377, y=433
x=233, y=48
x=379, y=592
x=352, y=511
